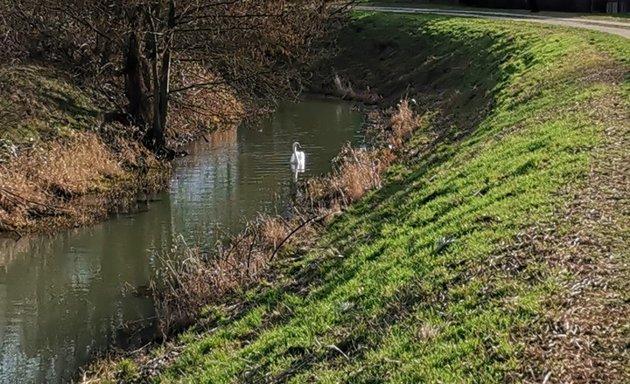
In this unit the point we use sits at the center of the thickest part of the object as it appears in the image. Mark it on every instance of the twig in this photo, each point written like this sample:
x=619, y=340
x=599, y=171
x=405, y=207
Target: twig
x=249, y=254
x=336, y=348
x=319, y=218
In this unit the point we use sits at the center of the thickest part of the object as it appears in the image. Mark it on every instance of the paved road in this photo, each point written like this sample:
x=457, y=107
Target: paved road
x=619, y=28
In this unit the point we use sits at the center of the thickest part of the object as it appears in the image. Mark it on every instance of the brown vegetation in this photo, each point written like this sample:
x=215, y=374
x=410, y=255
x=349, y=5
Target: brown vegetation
x=583, y=337
x=60, y=163
x=125, y=73
x=63, y=163
x=191, y=278
x=47, y=185
x=404, y=122
x=197, y=111
x=345, y=90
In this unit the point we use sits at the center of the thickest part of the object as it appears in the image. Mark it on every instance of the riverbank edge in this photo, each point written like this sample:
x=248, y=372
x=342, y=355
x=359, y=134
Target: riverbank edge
x=218, y=320
x=64, y=165
x=269, y=237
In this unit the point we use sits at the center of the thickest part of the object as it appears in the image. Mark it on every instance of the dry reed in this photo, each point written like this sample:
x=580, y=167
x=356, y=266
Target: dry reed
x=46, y=183
x=403, y=121
x=345, y=90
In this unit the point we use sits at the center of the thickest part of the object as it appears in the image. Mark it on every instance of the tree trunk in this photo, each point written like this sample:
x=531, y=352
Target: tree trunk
x=161, y=73
x=155, y=135
x=165, y=79
x=135, y=88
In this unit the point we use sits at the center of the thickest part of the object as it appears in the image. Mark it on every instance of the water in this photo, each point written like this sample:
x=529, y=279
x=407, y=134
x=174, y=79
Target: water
x=63, y=297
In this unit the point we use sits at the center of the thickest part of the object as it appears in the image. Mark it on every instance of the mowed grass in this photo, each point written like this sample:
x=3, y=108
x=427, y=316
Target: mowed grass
x=416, y=282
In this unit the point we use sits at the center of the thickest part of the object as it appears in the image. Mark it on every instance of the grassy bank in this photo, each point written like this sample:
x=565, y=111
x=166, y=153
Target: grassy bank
x=63, y=162
x=493, y=252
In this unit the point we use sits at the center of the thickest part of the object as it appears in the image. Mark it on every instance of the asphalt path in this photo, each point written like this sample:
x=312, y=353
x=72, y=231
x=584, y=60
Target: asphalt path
x=618, y=28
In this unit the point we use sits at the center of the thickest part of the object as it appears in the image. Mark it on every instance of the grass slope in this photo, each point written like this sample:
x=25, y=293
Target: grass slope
x=39, y=104
x=418, y=282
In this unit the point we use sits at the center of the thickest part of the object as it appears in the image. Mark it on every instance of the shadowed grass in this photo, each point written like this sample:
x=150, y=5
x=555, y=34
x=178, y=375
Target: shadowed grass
x=40, y=104
x=523, y=11
x=419, y=281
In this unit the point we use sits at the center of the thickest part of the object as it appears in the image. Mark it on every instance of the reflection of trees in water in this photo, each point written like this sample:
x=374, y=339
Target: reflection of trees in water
x=204, y=185
x=38, y=304
x=10, y=249
x=64, y=297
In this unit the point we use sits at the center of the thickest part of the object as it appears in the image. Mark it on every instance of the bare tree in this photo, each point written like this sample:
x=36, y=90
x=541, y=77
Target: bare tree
x=258, y=47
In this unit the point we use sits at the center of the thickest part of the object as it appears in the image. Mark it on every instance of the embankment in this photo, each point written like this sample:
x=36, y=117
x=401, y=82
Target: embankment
x=63, y=163
x=495, y=250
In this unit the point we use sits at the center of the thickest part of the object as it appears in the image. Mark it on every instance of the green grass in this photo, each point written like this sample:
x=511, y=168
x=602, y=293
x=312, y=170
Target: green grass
x=381, y=298
x=39, y=103
x=403, y=4
x=128, y=370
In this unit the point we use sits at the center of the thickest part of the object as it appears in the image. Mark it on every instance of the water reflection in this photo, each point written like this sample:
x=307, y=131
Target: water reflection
x=60, y=305
x=296, y=171
x=63, y=297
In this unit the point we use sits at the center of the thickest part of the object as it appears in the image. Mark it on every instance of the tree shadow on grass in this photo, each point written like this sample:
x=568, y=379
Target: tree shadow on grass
x=70, y=105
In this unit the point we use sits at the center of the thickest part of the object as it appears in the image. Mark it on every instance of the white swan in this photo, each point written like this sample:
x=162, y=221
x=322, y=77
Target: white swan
x=298, y=159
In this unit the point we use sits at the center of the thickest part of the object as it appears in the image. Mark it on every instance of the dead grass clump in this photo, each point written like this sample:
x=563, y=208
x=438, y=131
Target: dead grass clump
x=189, y=279
x=273, y=230
x=21, y=197
x=360, y=172
x=77, y=166
x=427, y=332
x=404, y=121
x=65, y=181
x=183, y=284
x=345, y=90
x=317, y=189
